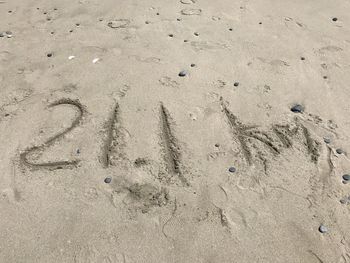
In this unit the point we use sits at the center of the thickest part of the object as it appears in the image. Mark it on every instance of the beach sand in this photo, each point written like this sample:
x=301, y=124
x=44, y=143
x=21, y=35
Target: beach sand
x=162, y=131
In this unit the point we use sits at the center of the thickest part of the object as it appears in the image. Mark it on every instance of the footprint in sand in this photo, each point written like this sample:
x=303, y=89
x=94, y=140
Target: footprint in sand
x=191, y=12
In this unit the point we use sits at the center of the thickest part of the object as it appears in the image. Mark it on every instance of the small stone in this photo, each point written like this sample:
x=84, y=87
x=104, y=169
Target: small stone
x=49, y=55
x=157, y=14
x=2, y=34
x=183, y=73
x=178, y=19
x=77, y=24
x=302, y=58
x=297, y=108
x=196, y=34
x=346, y=177
x=217, y=145
x=108, y=180
x=323, y=229
x=147, y=22
x=232, y=169
x=170, y=35
x=334, y=19
x=78, y=151
x=260, y=23
x=327, y=140
x=236, y=84
x=339, y=151
x=193, y=65
x=325, y=77
x=185, y=40
x=230, y=29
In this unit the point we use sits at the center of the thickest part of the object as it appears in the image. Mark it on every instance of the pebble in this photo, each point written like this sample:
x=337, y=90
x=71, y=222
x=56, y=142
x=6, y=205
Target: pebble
x=346, y=177
x=217, y=145
x=232, y=169
x=183, y=73
x=302, y=58
x=334, y=19
x=7, y=34
x=323, y=229
x=71, y=57
x=49, y=55
x=108, y=180
x=236, y=84
x=230, y=29
x=339, y=151
x=196, y=34
x=171, y=35
x=78, y=151
x=193, y=65
x=297, y=108
x=327, y=140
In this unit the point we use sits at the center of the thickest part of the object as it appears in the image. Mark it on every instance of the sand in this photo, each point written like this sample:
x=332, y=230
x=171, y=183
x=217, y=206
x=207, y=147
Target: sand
x=108, y=154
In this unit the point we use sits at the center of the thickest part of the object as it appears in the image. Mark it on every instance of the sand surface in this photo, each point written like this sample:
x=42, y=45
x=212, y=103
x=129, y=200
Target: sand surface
x=108, y=155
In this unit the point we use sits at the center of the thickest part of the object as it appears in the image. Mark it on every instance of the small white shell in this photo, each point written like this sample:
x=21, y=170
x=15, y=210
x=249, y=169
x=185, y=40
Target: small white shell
x=71, y=57
x=95, y=60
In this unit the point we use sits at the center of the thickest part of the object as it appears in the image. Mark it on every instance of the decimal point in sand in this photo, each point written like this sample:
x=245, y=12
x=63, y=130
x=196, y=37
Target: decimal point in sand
x=119, y=23
x=191, y=12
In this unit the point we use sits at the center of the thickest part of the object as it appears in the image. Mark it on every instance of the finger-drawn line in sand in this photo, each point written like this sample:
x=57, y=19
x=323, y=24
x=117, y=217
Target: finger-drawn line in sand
x=312, y=145
x=113, y=133
x=284, y=133
x=172, y=154
x=56, y=164
x=243, y=133
x=316, y=256
x=171, y=217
